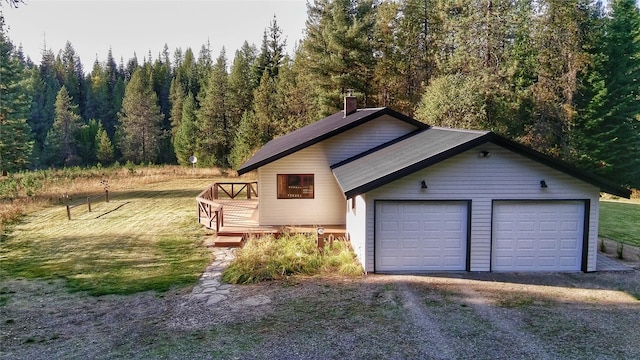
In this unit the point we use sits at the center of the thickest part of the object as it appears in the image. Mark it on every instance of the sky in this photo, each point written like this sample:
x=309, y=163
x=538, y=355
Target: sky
x=139, y=26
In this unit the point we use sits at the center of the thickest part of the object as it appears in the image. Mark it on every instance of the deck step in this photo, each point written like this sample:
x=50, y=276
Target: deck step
x=228, y=241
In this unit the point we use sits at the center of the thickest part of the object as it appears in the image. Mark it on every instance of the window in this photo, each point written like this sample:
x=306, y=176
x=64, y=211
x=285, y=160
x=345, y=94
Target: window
x=296, y=186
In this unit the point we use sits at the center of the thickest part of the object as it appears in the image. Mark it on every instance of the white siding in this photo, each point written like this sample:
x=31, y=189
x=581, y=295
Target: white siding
x=364, y=137
x=503, y=175
x=357, y=226
x=327, y=207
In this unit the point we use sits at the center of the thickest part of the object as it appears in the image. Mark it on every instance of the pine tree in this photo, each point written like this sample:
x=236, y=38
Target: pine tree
x=294, y=104
x=72, y=75
x=215, y=130
x=606, y=138
x=60, y=147
x=247, y=140
x=266, y=115
x=46, y=87
x=104, y=146
x=140, y=119
x=271, y=51
x=15, y=135
x=338, y=51
x=241, y=82
x=185, y=137
x=86, y=142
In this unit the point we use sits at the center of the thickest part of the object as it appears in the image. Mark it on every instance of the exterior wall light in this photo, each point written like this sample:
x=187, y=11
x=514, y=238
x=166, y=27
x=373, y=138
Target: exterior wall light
x=423, y=184
x=543, y=184
x=484, y=154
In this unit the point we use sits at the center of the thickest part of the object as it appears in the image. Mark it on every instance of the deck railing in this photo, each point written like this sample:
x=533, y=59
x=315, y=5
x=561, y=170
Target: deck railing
x=210, y=212
x=234, y=189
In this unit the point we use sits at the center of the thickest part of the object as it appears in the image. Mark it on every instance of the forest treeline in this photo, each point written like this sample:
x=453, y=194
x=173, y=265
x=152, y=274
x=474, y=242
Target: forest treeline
x=561, y=76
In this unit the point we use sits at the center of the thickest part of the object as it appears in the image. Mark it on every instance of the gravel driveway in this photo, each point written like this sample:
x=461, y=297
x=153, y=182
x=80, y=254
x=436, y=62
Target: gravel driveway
x=453, y=316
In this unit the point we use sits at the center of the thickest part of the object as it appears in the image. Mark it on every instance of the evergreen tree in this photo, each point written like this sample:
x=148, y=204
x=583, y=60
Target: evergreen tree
x=60, y=147
x=140, y=118
x=606, y=137
x=292, y=99
x=271, y=51
x=247, y=140
x=73, y=76
x=389, y=83
x=418, y=35
x=241, y=82
x=185, y=137
x=214, y=140
x=104, y=146
x=86, y=141
x=339, y=51
x=101, y=105
x=266, y=112
x=46, y=87
x=15, y=135
x=176, y=98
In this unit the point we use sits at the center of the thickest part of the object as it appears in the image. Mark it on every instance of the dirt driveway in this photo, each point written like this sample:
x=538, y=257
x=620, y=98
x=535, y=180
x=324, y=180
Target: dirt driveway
x=459, y=316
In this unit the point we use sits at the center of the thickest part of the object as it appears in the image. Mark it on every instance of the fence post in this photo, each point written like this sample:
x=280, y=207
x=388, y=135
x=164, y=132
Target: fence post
x=248, y=190
x=215, y=191
x=68, y=213
x=89, y=203
x=106, y=195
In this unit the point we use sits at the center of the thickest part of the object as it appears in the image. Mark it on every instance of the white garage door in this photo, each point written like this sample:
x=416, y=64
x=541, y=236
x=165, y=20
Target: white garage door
x=537, y=236
x=421, y=236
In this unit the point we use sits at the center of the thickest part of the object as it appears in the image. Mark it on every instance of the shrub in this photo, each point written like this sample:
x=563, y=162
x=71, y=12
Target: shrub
x=268, y=258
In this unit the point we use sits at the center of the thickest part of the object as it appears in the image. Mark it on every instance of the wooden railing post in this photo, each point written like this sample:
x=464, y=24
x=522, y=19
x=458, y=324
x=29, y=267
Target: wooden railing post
x=68, y=213
x=89, y=203
x=106, y=195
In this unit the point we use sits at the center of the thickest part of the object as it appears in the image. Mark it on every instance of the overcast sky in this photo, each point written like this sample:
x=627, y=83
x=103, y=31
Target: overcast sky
x=94, y=26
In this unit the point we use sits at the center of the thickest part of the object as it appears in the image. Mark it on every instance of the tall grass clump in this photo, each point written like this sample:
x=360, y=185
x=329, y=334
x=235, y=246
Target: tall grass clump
x=270, y=258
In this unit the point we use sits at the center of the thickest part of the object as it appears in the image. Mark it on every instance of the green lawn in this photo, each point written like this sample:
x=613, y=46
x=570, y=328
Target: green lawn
x=620, y=221
x=145, y=238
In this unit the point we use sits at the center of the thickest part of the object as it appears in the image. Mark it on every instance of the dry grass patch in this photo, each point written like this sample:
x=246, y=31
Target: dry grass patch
x=270, y=258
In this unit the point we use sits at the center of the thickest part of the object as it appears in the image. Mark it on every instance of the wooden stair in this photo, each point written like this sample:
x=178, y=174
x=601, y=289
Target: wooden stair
x=228, y=241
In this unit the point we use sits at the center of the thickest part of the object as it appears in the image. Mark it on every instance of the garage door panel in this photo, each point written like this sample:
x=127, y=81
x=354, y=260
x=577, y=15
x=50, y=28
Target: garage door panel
x=430, y=236
x=537, y=236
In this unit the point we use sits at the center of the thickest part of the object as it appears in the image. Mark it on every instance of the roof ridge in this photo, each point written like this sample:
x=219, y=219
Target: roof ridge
x=461, y=130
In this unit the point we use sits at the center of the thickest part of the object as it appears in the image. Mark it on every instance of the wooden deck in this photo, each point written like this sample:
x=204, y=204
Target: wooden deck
x=235, y=219
x=241, y=222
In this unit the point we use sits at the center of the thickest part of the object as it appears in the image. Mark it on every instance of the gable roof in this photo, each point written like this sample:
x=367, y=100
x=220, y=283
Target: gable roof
x=316, y=132
x=370, y=170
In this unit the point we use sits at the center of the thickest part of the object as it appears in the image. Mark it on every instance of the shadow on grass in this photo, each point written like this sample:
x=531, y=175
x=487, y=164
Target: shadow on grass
x=107, y=266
